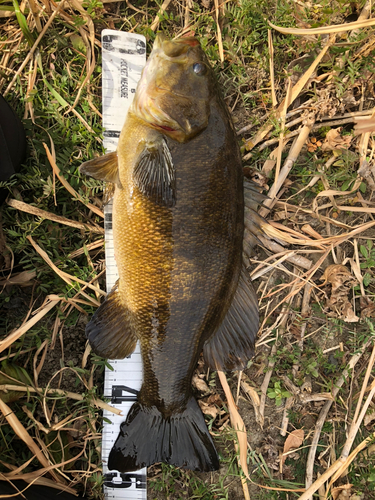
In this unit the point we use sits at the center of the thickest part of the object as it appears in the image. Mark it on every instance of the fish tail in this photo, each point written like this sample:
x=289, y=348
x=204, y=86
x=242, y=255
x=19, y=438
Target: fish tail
x=147, y=437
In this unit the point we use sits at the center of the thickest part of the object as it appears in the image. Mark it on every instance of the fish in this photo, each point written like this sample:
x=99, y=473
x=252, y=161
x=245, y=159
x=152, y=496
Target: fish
x=180, y=229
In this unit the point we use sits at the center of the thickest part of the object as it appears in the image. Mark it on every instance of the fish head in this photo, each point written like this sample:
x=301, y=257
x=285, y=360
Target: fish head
x=176, y=87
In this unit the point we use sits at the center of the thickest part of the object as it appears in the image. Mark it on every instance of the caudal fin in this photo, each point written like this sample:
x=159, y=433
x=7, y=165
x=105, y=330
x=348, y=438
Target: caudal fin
x=147, y=437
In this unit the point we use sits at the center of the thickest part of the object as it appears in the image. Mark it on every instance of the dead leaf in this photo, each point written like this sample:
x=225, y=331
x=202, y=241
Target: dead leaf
x=288, y=474
x=367, y=307
x=214, y=399
x=341, y=281
x=295, y=331
x=369, y=417
x=321, y=396
x=348, y=314
x=348, y=99
x=253, y=395
x=271, y=453
x=282, y=215
x=6, y=13
x=294, y=455
x=327, y=103
x=367, y=172
x=332, y=273
x=258, y=178
x=23, y=279
x=11, y=373
x=293, y=441
x=200, y=385
x=367, y=453
x=78, y=429
x=341, y=492
x=210, y=410
x=334, y=140
x=211, y=405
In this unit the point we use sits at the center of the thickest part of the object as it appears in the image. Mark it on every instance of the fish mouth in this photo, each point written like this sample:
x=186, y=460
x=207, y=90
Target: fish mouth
x=157, y=103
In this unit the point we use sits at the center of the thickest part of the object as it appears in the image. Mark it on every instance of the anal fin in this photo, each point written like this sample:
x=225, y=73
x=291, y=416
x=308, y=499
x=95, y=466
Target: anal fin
x=233, y=344
x=109, y=331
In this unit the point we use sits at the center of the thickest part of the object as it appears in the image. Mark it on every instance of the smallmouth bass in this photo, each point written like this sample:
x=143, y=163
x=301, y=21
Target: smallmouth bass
x=178, y=226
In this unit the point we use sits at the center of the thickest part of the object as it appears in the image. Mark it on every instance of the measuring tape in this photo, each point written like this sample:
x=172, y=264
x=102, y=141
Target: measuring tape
x=123, y=56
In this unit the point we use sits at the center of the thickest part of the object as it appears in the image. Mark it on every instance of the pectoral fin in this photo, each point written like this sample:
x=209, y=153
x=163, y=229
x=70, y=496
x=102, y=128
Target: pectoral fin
x=109, y=331
x=154, y=174
x=104, y=168
x=233, y=344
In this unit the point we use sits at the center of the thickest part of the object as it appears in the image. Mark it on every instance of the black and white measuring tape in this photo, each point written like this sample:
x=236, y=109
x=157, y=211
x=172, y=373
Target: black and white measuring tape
x=123, y=56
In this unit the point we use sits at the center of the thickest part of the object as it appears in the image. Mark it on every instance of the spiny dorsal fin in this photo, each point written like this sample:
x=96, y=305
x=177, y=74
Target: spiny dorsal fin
x=104, y=168
x=154, y=173
x=232, y=345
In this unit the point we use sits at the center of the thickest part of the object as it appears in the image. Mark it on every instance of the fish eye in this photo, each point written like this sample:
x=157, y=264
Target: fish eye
x=199, y=69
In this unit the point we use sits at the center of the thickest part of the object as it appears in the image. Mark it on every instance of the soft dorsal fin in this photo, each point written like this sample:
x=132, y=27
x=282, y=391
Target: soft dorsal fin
x=232, y=345
x=253, y=195
x=154, y=173
x=253, y=221
x=104, y=168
